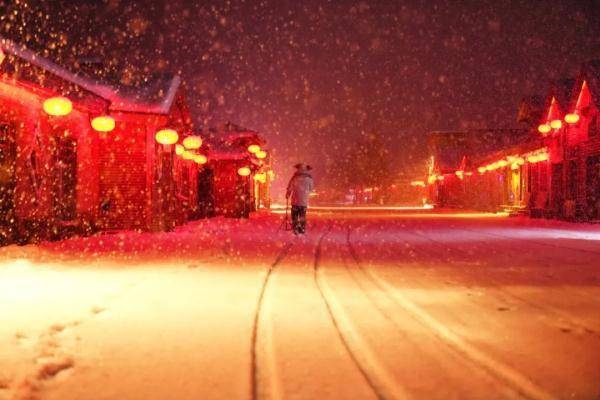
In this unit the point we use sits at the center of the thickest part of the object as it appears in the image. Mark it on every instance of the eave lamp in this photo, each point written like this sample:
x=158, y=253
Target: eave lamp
x=179, y=149
x=192, y=142
x=200, y=159
x=544, y=128
x=166, y=137
x=556, y=124
x=103, y=123
x=58, y=106
x=253, y=148
x=261, y=154
x=572, y=118
x=244, y=171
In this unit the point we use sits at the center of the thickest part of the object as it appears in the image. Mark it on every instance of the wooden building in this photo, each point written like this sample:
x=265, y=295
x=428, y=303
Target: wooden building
x=79, y=154
x=241, y=171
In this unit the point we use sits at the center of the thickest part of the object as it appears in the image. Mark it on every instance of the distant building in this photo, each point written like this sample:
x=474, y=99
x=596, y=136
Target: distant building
x=550, y=168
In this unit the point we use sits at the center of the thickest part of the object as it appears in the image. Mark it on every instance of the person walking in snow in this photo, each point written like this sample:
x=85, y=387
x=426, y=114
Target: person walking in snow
x=298, y=189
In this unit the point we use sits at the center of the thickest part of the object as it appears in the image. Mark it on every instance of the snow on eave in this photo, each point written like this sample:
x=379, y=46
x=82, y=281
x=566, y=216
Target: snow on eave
x=119, y=101
x=128, y=103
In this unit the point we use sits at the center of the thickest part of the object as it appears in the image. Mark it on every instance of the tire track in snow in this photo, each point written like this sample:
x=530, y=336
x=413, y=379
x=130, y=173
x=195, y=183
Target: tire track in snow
x=256, y=320
x=378, y=379
x=441, y=246
x=502, y=372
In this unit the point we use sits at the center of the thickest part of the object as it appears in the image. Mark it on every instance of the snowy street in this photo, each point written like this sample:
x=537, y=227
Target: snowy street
x=389, y=304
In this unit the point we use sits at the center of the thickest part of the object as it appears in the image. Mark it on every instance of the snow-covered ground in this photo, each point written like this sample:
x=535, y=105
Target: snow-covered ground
x=370, y=304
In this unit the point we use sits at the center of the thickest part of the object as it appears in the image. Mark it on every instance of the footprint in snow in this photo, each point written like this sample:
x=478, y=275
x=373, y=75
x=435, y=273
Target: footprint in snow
x=50, y=368
x=97, y=310
x=4, y=383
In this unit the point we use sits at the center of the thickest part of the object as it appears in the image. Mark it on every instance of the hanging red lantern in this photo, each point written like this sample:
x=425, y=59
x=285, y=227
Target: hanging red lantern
x=556, y=124
x=253, y=148
x=572, y=118
x=58, y=106
x=167, y=136
x=103, y=123
x=544, y=128
x=244, y=171
x=192, y=142
x=200, y=159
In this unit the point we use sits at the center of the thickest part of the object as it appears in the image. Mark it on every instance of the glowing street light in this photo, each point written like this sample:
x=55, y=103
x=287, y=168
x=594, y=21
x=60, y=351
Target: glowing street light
x=188, y=155
x=253, y=148
x=58, y=106
x=179, y=149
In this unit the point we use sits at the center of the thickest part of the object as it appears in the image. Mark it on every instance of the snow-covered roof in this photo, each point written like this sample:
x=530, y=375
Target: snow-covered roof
x=155, y=97
x=591, y=73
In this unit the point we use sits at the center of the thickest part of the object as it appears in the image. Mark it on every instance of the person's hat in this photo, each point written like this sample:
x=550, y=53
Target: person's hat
x=302, y=166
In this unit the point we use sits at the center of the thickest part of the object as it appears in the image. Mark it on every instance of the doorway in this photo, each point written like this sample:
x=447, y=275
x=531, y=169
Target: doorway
x=8, y=153
x=65, y=179
x=206, y=201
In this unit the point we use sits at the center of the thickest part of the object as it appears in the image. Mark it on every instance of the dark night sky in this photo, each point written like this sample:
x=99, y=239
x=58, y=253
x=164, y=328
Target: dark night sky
x=313, y=75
